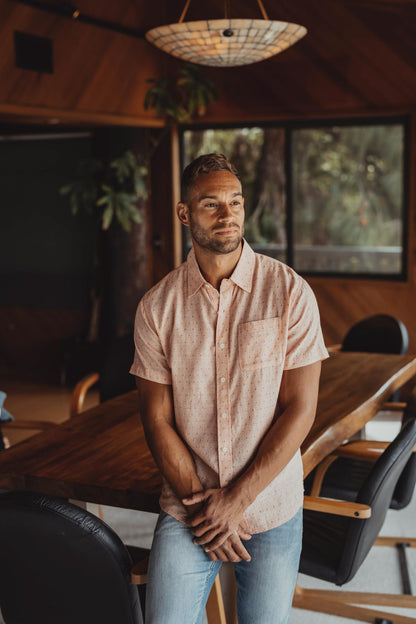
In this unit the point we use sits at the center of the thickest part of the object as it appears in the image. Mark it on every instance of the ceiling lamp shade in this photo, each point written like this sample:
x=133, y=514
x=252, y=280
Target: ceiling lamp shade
x=225, y=42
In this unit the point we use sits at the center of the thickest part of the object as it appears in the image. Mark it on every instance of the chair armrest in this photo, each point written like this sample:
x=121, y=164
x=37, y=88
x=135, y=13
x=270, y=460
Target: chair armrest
x=138, y=573
x=392, y=406
x=334, y=348
x=368, y=450
x=337, y=507
x=79, y=392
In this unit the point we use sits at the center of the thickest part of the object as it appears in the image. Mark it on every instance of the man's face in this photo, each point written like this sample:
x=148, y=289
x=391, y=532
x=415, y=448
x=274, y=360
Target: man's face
x=215, y=212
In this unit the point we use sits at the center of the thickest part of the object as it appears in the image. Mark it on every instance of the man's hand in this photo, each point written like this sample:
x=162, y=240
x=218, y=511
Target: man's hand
x=232, y=549
x=220, y=520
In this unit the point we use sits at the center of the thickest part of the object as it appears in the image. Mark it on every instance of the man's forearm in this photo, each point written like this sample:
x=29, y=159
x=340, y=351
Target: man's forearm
x=169, y=451
x=173, y=459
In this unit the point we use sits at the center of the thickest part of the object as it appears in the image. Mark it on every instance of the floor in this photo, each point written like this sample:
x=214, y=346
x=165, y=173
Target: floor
x=380, y=571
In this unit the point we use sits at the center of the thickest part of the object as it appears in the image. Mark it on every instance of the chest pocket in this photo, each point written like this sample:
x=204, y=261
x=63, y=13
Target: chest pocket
x=260, y=344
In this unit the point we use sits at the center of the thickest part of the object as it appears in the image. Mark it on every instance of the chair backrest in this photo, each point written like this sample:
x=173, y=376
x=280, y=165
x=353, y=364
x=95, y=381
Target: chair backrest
x=59, y=563
x=380, y=333
x=115, y=378
x=376, y=491
x=407, y=481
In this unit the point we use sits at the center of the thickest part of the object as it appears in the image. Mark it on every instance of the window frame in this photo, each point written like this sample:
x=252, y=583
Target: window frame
x=291, y=125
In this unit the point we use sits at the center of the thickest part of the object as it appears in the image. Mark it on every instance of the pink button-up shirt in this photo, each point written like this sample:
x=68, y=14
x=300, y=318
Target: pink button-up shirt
x=224, y=354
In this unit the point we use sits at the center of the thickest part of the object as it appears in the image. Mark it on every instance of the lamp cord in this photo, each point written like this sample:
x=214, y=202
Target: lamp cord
x=182, y=17
x=262, y=9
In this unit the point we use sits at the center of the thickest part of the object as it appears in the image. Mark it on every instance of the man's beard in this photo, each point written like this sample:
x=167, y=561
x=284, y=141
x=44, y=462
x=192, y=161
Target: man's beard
x=213, y=243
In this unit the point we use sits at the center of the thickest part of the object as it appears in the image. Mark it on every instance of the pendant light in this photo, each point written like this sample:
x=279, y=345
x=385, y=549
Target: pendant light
x=225, y=42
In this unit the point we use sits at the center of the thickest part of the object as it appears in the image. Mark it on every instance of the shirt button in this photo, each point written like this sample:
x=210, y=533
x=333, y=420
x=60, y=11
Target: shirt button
x=224, y=415
x=225, y=449
x=222, y=345
x=222, y=379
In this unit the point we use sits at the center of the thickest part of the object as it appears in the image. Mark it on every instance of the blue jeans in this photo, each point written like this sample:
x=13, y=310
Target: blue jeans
x=180, y=575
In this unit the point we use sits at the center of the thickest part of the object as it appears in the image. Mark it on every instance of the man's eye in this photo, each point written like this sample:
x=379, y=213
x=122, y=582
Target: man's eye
x=236, y=202
x=210, y=205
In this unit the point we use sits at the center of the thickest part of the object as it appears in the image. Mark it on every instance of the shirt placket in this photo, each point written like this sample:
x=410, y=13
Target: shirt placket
x=225, y=461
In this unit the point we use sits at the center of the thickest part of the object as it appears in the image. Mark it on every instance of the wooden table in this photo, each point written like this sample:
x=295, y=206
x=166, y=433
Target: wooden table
x=101, y=456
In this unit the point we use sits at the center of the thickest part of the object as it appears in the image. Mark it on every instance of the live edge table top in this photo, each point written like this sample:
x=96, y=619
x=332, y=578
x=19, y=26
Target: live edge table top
x=101, y=456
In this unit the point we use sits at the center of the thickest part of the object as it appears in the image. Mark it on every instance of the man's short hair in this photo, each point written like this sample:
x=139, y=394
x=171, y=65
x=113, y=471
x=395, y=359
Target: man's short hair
x=207, y=163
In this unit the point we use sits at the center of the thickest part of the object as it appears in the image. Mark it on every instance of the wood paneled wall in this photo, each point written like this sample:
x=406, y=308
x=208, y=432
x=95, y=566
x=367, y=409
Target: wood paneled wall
x=99, y=76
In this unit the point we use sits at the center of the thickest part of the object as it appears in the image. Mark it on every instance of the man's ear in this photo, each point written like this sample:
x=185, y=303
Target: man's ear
x=182, y=211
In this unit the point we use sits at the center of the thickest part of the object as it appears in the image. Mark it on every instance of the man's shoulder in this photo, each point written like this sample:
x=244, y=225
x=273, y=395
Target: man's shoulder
x=172, y=282
x=277, y=272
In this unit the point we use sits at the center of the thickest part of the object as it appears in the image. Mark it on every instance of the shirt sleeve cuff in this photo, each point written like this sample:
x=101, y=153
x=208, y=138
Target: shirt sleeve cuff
x=151, y=375
x=308, y=359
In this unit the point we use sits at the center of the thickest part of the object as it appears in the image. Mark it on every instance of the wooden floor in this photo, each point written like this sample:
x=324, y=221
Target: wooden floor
x=33, y=400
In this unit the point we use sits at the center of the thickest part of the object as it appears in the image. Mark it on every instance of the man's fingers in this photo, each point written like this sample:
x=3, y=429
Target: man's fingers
x=217, y=542
x=239, y=549
x=206, y=538
x=232, y=550
x=220, y=554
x=227, y=553
x=213, y=556
x=199, y=497
x=243, y=534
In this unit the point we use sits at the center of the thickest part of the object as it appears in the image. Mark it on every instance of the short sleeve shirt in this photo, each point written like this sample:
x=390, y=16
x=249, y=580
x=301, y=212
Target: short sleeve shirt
x=224, y=353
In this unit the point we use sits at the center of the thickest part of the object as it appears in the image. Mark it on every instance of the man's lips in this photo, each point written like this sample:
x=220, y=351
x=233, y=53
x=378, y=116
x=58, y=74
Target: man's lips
x=226, y=231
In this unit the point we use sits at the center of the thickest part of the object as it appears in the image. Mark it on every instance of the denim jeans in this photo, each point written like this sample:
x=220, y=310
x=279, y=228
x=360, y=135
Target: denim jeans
x=180, y=575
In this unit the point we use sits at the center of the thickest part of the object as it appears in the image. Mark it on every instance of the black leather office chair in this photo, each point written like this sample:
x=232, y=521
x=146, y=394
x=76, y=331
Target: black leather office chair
x=335, y=546
x=380, y=333
x=59, y=564
x=344, y=477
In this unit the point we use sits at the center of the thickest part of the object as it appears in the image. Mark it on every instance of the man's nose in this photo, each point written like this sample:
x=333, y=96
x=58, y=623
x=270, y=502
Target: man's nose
x=225, y=211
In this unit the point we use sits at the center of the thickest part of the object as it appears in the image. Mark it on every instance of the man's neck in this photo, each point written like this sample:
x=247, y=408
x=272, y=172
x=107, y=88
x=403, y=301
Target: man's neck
x=216, y=267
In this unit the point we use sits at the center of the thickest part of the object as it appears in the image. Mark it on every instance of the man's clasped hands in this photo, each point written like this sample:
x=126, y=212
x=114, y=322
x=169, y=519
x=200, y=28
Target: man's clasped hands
x=218, y=523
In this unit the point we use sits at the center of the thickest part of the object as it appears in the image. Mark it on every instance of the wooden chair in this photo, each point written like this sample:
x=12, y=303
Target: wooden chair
x=338, y=536
x=113, y=378
x=60, y=563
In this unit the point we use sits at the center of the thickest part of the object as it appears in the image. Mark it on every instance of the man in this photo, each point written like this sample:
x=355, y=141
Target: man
x=228, y=351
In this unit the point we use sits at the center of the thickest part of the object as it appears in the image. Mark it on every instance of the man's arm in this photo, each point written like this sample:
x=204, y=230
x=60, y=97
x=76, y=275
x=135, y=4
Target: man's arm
x=223, y=508
x=173, y=458
x=170, y=453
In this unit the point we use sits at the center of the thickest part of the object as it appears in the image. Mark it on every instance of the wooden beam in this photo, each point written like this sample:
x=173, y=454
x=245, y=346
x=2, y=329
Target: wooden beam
x=55, y=115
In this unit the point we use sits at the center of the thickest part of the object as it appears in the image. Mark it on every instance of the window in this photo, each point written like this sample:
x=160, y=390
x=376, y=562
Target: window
x=327, y=198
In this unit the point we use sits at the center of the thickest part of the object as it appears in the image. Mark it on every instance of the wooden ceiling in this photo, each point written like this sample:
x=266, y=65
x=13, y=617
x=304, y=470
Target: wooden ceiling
x=359, y=57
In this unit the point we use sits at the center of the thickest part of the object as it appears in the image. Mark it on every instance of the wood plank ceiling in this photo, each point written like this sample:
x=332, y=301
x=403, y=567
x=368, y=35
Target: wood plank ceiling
x=358, y=57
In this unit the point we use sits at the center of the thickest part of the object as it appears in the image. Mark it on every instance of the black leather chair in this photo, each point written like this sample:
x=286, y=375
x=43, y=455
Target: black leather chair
x=345, y=475
x=335, y=546
x=380, y=333
x=60, y=564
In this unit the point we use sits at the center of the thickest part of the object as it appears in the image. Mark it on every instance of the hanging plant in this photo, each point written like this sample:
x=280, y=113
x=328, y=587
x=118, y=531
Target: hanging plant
x=181, y=98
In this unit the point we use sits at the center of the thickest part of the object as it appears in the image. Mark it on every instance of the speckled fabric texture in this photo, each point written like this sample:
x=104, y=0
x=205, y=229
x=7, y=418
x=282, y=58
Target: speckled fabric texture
x=224, y=354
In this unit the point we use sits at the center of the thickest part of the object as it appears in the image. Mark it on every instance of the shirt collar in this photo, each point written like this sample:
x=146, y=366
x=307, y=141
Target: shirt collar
x=242, y=275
